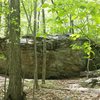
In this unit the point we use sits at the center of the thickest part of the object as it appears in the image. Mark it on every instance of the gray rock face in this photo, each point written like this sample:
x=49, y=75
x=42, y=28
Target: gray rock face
x=91, y=82
x=62, y=61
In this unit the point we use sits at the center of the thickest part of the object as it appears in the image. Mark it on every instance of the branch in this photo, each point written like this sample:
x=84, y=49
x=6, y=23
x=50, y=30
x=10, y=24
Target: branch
x=26, y=15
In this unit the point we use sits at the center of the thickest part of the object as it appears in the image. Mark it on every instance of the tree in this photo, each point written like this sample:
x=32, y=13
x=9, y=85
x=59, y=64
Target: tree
x=44, y=46
x=71, y=25
x=35, y=46
x=14, y=91
x=0, y=13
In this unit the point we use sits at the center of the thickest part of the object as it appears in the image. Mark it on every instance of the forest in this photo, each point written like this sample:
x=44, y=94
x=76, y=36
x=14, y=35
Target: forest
x=49, y=49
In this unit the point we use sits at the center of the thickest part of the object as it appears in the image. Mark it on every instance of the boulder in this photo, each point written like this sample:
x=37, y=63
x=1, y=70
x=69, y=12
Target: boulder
x=62, y=61
x=91, y=82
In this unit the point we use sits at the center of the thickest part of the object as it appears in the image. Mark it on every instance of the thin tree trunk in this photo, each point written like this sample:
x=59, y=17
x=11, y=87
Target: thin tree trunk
x=1, y=12
x=71, y=30
x=38, y=26
x=44, y=47
x=35, y=85
x=35, y=46
x=28, y=19
x=7, y=48
x=88, y=62
x=1, y=2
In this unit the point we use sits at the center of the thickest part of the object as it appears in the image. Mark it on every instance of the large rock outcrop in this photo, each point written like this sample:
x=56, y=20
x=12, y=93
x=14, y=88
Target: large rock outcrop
x=62, y=61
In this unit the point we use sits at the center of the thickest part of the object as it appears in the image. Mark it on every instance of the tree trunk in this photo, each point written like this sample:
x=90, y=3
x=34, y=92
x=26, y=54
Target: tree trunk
x=44, y=46
x=71, y=25
x=88, y=60
x=1, y=12
x=14, y=91
x=35, y=47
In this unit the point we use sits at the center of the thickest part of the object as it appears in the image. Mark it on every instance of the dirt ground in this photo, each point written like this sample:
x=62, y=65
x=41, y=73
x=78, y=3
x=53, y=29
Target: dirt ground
x=67, y=89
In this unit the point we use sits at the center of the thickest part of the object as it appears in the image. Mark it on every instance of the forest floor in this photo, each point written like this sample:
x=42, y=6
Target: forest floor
x=67, y=89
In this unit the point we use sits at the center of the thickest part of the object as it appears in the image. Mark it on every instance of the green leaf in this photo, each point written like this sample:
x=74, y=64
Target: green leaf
x=75, y=36
x=45, y=5
x=76, y=47
x=97, y=19
x=38, y=9
x=2, y=56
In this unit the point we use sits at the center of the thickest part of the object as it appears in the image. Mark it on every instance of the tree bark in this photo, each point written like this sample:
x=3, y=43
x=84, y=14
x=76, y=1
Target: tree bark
x=88, y=59
x=44, y=47
x=35, y=46
x=14, y=91
x=1, y=13
x=71, y=30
